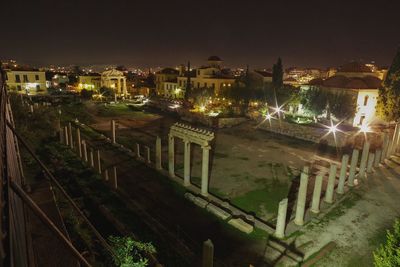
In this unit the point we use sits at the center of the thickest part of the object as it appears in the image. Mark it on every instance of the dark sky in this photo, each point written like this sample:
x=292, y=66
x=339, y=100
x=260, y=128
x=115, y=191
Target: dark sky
x=153, y=33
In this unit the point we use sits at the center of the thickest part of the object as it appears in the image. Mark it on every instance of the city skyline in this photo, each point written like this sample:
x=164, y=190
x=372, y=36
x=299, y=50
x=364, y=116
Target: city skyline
x=167, y=34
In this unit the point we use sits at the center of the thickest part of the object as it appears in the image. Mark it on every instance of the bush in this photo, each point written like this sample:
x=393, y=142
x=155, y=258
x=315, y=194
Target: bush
x=128, y=252
x=388, y=255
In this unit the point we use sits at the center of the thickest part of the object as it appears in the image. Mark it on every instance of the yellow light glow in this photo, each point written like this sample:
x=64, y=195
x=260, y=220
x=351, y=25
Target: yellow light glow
x=202, y=108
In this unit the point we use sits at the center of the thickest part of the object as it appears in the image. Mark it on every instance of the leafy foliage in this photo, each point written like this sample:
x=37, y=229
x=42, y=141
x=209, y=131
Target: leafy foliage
x=316, y=101
x=129, y=252
x=107, y=92
x=86, y=94
x=388, y=255
x=388, y=106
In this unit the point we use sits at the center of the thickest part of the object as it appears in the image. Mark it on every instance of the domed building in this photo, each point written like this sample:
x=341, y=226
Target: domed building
x=115, y=80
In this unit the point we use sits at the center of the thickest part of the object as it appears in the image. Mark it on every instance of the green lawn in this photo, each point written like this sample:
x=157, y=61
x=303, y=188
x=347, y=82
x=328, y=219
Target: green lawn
x=268, y=196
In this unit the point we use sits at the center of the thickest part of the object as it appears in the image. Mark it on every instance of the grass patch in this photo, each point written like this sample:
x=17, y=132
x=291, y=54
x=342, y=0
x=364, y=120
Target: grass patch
x=268, y=197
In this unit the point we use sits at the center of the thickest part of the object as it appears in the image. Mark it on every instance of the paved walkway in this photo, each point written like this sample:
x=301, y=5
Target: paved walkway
x=358, y=230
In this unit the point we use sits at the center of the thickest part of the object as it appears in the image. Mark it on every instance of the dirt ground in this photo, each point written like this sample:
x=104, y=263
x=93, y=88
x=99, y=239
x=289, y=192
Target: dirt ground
x=359, y=229
x=251, y=168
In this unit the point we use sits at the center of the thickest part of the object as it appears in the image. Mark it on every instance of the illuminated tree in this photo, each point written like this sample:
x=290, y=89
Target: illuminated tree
x=388, y=106
x=388, y=254
x=314, y=100
x=129, y=253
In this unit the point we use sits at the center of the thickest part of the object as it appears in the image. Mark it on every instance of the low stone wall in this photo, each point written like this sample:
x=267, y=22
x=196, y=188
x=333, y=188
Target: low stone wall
x=307, y=133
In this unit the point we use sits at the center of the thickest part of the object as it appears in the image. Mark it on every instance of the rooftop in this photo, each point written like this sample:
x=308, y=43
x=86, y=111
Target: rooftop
x=340, y=81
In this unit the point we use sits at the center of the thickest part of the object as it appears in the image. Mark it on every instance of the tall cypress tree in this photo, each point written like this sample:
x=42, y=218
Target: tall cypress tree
x=277, y=74
x=188, y=83
x=388, y=106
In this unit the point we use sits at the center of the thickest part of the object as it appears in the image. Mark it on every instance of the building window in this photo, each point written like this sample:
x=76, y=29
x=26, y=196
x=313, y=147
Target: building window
x=19, y=87
x=180, y=82
x=17, y=78
x=213, y=85
x=366, y=100
x=37, y=77
x=25, y=78
x=205, y=85
x=37, y=87
x=198, y=85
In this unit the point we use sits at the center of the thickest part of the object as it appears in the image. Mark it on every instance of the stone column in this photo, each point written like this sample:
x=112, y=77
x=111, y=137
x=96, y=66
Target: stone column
x=204, y=170
x=353, y=166
x=281, y=220
x=208, y=254
x=186, y=175
x=364, y=158
x=31, y=108
x=343, y=172
x=396, y=143
x=85, y=155
x=331, y=184
x=317, y=193
x=71, y=140
x=98, y=162
x=148, y=154
x=394, y=140
x=158, y=153
x=301, y=198
x=78, y=141
x=66, y=138
x=138, y=150
x=91, y=158
x=378, y=155
x=370, y=164
x=384, y=147
x=106, y=175
x=171, y=155
x=113, y=137
x=115, y=178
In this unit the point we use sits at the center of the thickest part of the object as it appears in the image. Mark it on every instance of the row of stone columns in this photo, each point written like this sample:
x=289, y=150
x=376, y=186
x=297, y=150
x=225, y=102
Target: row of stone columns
x=187, y=151
x=368, y=161
x=91, y=157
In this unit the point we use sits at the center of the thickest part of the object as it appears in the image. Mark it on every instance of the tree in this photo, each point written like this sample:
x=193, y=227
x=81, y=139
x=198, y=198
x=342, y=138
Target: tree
x=188, y=89
x=314, y=100
x=277, y=74
x=388, y=106
x=107, y=92
x=342, y=105
x=388, y=254
x=86, y=94
x=76, y=70
x=128, y=252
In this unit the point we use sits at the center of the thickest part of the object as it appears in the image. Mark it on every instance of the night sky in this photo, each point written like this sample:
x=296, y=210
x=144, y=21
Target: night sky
x=167, y=32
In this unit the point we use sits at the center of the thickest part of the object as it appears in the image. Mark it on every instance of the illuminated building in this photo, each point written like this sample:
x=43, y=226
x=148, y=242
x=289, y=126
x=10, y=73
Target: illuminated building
x=166, y=81
x=361, y=84
x=262, y=76
x=26, y=81
x=210, y=76
x=115, y=80
x=89, y=82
